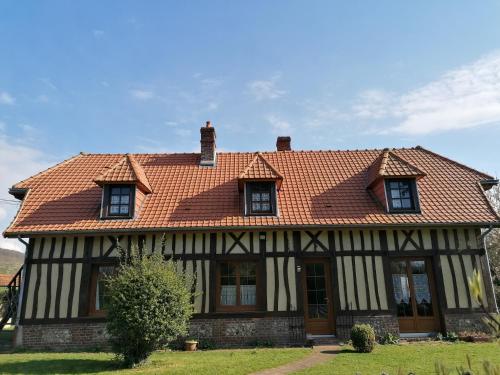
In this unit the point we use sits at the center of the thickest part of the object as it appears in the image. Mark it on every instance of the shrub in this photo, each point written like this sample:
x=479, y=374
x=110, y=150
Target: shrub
x=363, y=338
x=388, y=339
x=149, y=307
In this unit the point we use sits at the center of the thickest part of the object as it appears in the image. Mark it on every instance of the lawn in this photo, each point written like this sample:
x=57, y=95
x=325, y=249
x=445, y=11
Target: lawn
x=417, y=357
x=242, y=361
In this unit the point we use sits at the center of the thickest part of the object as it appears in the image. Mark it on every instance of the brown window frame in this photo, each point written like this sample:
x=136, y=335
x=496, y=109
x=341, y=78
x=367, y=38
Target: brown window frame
x=250, y=186
x=238, y=307
x=107, y=202
x=93, y=290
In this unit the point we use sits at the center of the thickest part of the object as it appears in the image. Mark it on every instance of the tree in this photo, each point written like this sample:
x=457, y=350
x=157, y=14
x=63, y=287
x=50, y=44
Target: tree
x=493, y=242
x=149, y=306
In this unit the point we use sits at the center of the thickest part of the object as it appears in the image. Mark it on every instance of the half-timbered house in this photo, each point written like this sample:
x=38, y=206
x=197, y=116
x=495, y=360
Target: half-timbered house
x=283, y=244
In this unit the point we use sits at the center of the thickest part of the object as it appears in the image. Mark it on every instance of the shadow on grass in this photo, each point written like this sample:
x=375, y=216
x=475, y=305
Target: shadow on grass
x=59, y=366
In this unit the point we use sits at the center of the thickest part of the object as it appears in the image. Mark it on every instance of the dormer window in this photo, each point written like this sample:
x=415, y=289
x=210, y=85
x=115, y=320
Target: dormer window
x=402, y=195
x=118, y=201
x=261, y=198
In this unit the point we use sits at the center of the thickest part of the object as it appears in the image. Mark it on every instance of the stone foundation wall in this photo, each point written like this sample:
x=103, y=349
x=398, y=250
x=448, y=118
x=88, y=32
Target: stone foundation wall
x=465, y=322
x=237, y=332
x=222, y=332
x=64, y=336
x=381, y=324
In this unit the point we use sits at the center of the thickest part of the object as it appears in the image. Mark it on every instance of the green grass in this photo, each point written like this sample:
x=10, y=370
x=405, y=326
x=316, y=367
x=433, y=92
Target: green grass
x=242, y=361
x=417, y=357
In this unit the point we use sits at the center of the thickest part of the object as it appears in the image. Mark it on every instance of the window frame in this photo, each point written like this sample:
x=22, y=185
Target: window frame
x=250, y=187
x=413, y=196
x=238, y=307
x=107, y=202
x=93, y=289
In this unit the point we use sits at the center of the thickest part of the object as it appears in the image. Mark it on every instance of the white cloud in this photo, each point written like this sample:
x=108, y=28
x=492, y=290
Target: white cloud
x=17, y=162
x=462, y=98
x=97, y=33
x=278, y=125
x=143, y=95
x=6, y=98
x=265, y=89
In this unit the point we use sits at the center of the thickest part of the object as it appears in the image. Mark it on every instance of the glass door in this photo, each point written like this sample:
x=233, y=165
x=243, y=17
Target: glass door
x=414, y=294
x=317, y=301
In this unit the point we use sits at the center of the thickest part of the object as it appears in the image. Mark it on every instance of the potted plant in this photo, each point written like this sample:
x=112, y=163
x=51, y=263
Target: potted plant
x=190, y=345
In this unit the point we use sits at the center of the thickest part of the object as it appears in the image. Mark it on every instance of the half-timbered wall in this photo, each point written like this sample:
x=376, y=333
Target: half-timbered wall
x=58, y=268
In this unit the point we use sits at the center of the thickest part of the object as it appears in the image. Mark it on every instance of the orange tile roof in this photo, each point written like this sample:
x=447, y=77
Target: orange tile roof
x=5, y=279
x=389, y=164
x=319, y=188
x=127, y=170
x=260, y=169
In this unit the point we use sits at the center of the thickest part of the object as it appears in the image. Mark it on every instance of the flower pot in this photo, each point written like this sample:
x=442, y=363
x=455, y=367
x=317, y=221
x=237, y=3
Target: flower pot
x=190, y=345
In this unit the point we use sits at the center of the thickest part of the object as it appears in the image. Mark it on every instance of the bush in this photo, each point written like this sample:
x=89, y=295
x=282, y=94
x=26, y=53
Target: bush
x=149, y=307
x=363, y=338
x=388, y=339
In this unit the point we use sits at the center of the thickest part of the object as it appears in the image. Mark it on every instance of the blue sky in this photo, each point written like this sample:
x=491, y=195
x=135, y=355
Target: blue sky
x=134, y=76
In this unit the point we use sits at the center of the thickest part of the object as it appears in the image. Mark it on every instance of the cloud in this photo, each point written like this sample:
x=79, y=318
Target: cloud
x=462, y=98
x=97, y=33
x=6, y=98
x=143, y=95
x=278, y=125
x=265, y=90
x=17, y=162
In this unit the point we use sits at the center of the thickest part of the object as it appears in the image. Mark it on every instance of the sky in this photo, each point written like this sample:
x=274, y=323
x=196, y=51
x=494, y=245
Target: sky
x=143, y=76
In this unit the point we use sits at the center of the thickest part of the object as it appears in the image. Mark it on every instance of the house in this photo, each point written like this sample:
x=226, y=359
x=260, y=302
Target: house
x=284, y=244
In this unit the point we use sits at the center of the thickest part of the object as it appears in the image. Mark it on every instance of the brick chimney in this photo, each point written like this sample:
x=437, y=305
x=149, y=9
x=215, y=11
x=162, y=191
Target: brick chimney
x=283, y=144
x=208, y=155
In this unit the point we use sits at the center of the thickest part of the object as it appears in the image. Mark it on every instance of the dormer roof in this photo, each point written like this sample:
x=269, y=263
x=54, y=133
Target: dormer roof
x=260, y=169
x=388, y=164
x=127, y=170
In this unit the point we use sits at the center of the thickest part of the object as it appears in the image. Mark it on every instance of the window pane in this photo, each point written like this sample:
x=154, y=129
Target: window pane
x=396, y=203
x=265, y=196
x=266, y=207
x=124, y=199
x=401, y=286
x=124, y=209
x=394, y=185
x=395, y=193
x=228, y=295
x=256, y=207
x=405, y=193
x=255, y=197
x=102, y=292
x=115, y=191
x=115, y=199
x=421, y=287
x=125, y=190
x=406, y=203
x=114, y=209
x=248, y=294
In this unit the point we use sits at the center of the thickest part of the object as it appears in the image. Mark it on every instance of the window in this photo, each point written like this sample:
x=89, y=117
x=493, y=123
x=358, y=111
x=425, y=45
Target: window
x=119, y=201
x=237, y=286
x=261, y=198
x=99, y=296
x=402, y=195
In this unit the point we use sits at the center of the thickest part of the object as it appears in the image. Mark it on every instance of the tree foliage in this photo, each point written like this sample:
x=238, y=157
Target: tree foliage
x=150, y=306
x=493, y=243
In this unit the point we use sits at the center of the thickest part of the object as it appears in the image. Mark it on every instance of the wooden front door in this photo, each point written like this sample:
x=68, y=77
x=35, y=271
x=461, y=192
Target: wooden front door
x=415, y=295
x=318, y=307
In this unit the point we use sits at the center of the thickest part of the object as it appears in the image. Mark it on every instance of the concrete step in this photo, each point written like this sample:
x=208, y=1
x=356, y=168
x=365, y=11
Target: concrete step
x=323, y=340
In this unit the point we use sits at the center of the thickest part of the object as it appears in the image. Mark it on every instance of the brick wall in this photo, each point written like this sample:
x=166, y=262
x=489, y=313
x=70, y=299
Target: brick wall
x=380, y=323
x=465, y=322
x=234, y=332
x=64, y=336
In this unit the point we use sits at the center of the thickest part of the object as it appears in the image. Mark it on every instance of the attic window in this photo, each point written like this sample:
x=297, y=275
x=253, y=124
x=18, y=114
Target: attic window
x=118, y=201
x=261, y=198
x=402, y=195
